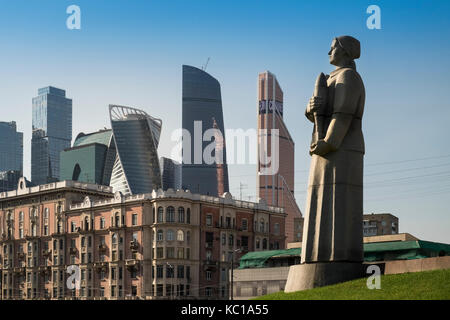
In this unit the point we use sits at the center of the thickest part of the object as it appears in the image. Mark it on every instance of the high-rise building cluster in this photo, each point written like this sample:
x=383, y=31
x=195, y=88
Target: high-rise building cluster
x=137, y=225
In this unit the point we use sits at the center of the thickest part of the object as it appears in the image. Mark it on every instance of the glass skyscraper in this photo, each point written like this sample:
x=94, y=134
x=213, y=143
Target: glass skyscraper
x=11, y=147
x=52, y=133
x=136, y=134
x=202, y=105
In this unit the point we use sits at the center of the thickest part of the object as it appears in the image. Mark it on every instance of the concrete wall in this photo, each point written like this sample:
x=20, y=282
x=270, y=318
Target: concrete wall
x=250, y=283
x=417, y=265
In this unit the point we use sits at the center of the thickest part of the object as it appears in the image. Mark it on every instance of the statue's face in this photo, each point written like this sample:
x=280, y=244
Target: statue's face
x=337, y=54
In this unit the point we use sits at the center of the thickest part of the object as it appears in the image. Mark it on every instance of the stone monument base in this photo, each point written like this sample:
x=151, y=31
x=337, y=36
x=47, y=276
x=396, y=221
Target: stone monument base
x=311, y=275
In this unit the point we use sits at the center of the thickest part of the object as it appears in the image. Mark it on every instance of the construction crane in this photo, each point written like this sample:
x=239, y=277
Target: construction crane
x=206, y=64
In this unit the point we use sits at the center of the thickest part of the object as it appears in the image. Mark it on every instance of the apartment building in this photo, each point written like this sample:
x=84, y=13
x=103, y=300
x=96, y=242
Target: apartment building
x=70, y=240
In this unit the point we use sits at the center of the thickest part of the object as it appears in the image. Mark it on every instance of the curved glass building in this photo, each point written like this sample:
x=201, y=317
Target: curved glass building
x=202, y=104
x=136, y=168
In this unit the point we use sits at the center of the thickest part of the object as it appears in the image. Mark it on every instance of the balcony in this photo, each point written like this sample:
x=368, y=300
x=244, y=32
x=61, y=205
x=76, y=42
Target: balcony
x=208, y=245
x=209, y=264
x=21, y=255
x=134, y=245
x=101, y=266
x=45, y=269
x=73, y=250
x=19, y=270
x=46, y=252
x=102, y=247
x=132, y=263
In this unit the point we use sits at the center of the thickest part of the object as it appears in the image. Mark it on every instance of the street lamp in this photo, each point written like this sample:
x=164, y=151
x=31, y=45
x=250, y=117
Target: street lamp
x=171, y=281
x=232, y=268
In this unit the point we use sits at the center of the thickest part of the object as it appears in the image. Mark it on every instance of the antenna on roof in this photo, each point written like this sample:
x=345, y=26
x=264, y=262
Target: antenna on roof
x=206, y=64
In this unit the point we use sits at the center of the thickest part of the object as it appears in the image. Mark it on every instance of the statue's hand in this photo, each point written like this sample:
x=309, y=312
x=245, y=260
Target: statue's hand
x=314, y=104
x=320, y=148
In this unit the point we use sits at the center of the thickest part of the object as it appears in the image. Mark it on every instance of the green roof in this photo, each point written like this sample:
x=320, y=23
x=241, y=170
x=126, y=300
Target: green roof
x=101, y=137
x=378, y=251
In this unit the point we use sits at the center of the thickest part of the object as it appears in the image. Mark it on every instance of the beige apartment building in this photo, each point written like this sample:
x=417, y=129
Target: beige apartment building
x=379, y=224
x=71, y=240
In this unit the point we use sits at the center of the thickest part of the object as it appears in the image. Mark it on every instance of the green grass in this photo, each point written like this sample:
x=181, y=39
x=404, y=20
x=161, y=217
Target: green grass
x=427, y=285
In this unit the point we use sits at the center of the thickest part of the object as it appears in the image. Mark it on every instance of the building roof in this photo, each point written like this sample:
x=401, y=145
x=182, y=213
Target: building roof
x=395, y=250
x=101, y=137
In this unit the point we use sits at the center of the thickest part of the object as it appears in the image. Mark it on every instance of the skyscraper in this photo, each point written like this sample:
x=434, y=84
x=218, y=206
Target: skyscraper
x=202, y=104
x=136, y=134
x=170, y=173
x=11, y=147
x=278, y=188
x=91, y=158
x=52, y=133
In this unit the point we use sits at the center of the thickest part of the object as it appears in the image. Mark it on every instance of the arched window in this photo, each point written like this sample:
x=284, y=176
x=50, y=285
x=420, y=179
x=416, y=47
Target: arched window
x=170, y=214
x=170, y=235
x=20, y=216
x=264, y=246
x=230, y=240
x=160, y=235
x=86, y=223
x=181, y=215
x=180, y=235
x=160, y=214
x=224, y=239
x=33, y=230
x=46, y=211
x=188, y=215
x=117, y=220
x=114, y=238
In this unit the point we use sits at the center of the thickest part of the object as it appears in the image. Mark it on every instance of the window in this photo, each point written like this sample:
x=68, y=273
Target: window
x=208, y=255
x=188, y=253
x=209, y=220
x=114, y=239
x=73, y=226
x=261, y=226
x=223, y=275
x=170, y=214
x=159, y=271
x=102, y=223
x=160, y=214
x=180, y=235
x=276, y=229
x=180, y=253
x=181, y=215
x=169, y=271
x=188, y=236
x=170, y=252
x=170, y=235
x=134, y=219
x=224, y=239
x=160, y=253
x=264, y=245
x=160, y=235
x=188, y=215
x=208, y=275
x=230, y=240
x=244, y=224
x=180, y=272
x=208, y=291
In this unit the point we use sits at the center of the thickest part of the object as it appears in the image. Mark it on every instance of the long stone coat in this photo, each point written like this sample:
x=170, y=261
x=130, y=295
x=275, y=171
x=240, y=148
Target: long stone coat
x=334, y=205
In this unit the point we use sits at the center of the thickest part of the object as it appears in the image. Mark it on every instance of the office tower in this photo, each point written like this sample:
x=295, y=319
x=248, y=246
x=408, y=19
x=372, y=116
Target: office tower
x=170, y=173
x=52, y=133
x=11, y=147
x=91, y=158
x=202, y=102
x=278, y=188
x=136, y=135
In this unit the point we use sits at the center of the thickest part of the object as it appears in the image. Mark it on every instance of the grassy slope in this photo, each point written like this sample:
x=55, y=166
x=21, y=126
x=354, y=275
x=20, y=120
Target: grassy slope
x=418, y=285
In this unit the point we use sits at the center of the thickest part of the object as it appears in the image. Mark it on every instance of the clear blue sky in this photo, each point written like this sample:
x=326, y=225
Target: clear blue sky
x=131, y=52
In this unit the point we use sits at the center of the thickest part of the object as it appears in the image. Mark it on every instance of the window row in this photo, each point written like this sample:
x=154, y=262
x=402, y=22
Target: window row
x=182, y=216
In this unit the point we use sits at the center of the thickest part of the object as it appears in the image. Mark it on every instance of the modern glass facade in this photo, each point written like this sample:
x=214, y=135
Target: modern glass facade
x=201, y=102
x=91, y=158
x=52, y=133
x=170, y=173
x=11, y=147
x=136, y=134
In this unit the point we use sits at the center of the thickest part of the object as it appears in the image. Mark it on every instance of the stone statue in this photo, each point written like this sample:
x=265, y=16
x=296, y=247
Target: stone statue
x=332, y=246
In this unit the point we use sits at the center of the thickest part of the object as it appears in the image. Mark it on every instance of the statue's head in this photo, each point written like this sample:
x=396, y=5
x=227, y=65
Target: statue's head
x=344, y=50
